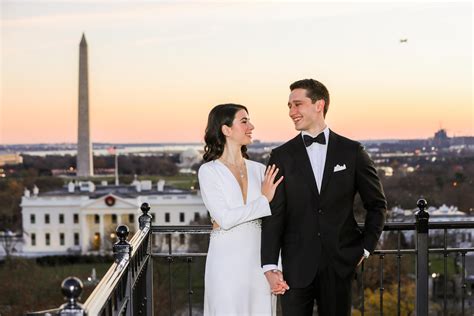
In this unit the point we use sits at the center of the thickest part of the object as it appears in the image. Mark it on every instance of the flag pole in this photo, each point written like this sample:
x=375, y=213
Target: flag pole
x=116, y=167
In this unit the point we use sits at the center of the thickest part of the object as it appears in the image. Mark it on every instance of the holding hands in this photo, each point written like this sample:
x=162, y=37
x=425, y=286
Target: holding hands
x=277, y=284
x=269, y=185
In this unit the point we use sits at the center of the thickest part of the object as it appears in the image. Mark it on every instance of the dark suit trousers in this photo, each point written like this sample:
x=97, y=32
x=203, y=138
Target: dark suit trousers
x=331, y=292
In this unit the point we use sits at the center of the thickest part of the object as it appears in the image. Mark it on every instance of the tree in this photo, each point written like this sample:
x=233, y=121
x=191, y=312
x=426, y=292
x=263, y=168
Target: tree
x=390, y=300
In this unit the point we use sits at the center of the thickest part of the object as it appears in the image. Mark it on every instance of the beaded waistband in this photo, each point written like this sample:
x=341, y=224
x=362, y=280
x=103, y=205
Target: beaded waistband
x=255, y=223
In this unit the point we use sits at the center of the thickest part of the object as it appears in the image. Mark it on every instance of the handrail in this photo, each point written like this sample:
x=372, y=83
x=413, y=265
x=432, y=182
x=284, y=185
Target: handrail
x=131, y=259
x=388, y=226
x=103, y=291
x=194, y=229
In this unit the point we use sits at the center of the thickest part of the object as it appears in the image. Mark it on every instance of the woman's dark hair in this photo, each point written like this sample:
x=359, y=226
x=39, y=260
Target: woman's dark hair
x=222, y=114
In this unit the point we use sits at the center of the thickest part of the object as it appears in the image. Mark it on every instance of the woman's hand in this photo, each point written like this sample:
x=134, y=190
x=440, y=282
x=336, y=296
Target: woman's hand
x=269, y=185
x=277, y=284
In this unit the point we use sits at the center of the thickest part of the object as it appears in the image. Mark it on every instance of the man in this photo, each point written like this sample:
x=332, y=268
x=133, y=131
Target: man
x=312, y=221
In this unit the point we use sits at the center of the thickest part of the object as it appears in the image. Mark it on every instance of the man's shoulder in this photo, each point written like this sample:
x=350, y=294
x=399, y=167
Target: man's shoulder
x=287, y=146
x=345, y=141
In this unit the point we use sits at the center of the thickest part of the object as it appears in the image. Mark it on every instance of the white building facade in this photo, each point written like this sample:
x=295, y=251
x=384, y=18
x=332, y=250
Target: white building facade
x=463, y=238
x=84, y=220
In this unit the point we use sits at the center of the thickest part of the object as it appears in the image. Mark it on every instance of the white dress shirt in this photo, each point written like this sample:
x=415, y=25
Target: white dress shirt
x=317, y=156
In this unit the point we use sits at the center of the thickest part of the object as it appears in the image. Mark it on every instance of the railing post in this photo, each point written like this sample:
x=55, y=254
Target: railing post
x=122, y=252
x=72, y=288
x=122, y=248
x=145, y=219
x=422, y=219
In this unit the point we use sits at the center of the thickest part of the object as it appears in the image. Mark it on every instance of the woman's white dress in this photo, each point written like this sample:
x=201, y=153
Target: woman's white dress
x=234, y=280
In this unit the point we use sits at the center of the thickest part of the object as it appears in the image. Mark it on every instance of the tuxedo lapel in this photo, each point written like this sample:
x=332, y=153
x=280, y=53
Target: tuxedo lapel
x=330, y=160
x=303, y=163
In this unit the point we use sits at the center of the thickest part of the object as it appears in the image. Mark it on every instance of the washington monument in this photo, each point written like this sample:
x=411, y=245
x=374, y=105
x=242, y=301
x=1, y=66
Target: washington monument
x=85, y=167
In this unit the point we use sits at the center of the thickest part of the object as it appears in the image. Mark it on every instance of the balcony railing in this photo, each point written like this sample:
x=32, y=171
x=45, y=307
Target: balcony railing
x=127, y=287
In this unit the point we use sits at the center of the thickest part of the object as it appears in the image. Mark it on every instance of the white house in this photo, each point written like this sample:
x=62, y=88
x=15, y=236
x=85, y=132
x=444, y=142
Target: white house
x=82, y=217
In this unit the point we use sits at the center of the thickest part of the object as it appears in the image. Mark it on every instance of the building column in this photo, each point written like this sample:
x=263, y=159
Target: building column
x=84, y=233
x=101, y=231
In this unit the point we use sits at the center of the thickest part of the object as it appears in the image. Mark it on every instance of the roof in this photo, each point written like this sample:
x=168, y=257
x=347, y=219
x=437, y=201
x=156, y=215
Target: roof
x=123, y=191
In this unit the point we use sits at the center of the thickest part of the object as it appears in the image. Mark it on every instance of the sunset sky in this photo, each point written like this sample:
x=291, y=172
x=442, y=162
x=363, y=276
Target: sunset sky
x=156, y=68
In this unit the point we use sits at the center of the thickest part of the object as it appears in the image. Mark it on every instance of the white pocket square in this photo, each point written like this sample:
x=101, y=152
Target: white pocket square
x=339, y=168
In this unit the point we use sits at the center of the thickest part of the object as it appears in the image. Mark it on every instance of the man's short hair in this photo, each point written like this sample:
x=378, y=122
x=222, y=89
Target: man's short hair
x=315, y=90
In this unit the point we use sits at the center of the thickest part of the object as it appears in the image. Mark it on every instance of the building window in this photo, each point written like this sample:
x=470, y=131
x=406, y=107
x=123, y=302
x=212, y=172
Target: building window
x=32, y=218
x=131, y=218
x=167, y=217
x=61, y=218
x=46, y=218
x=33, y=239
x=61, y=239
x=182, y=238
x=96, y=219
x=76, y=218
x=114, y=218
x=47, y=239
x=181, y=217
x=76, y=239
x=197, y=216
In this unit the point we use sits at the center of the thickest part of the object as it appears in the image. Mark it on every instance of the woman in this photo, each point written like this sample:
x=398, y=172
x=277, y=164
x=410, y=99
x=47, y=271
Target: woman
x=237, y=192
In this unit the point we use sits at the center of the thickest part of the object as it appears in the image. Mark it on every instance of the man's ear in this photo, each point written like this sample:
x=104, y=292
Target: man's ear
x=320, y=105
x=225, y=130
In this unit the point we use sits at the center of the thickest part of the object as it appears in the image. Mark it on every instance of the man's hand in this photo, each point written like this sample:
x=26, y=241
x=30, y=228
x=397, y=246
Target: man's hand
x=277, y=283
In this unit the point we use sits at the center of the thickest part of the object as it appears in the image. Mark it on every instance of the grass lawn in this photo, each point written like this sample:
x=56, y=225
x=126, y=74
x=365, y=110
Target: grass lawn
x=178, y=181
x=437, y=265
x=28, y=286
x=179, y=291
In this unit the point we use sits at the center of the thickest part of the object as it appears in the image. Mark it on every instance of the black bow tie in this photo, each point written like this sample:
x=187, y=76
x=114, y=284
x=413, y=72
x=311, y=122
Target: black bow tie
x=308, y=140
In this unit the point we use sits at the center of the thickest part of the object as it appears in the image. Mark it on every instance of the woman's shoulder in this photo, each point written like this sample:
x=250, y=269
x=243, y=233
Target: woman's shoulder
x=207, y=167
x=208, y=164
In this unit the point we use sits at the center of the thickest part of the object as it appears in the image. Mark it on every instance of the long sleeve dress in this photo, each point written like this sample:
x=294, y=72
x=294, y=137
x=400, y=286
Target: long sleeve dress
x=234, y=281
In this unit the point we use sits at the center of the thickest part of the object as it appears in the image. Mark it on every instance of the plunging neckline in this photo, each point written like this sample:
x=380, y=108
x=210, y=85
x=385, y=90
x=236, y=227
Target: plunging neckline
x=244, y=200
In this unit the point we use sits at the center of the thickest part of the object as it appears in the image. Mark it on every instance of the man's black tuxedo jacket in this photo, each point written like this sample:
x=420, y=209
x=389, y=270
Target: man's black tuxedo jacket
x=306, y=224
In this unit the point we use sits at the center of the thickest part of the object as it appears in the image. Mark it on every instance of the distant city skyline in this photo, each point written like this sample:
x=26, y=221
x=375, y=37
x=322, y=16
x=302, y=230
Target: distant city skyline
x=157, y=68
x=104, y=148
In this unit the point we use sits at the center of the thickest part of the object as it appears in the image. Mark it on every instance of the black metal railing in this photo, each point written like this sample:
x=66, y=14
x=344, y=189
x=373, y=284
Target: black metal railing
x=127, y=287
x=170, y=258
